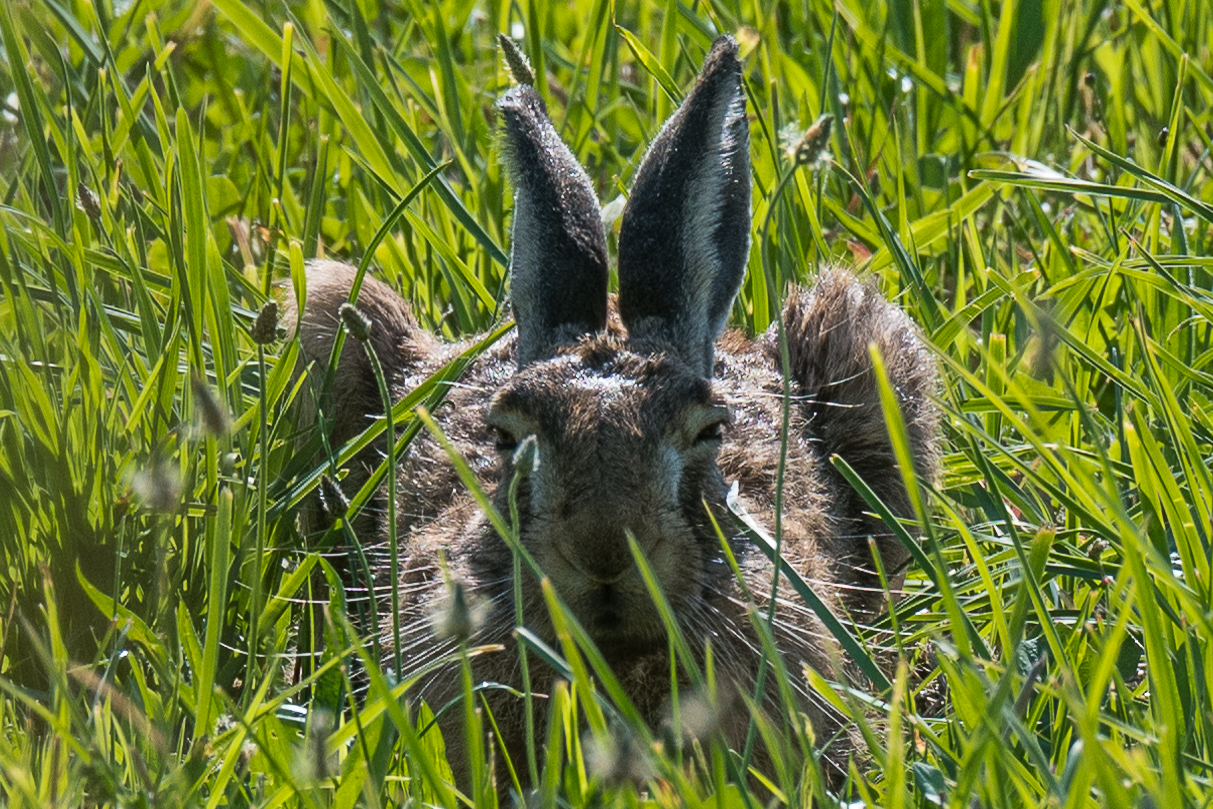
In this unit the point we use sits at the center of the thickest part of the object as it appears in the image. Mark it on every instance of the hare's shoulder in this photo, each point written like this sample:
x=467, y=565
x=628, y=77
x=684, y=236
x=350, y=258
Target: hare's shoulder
x=748, y=378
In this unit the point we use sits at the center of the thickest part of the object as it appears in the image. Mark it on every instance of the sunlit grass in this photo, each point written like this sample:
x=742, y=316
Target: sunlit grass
x=1031, y=181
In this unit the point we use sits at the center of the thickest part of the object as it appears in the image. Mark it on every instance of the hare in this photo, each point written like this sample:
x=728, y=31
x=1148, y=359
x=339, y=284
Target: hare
x=642, y=410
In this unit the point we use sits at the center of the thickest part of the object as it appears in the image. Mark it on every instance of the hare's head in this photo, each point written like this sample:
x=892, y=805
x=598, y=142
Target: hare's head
x=625, y=421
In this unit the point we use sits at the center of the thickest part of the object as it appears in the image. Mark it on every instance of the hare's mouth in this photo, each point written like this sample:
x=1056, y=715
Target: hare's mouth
x=606, y=609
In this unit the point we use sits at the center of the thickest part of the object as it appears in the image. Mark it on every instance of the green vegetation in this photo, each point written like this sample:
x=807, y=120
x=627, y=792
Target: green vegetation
x=1029, y=178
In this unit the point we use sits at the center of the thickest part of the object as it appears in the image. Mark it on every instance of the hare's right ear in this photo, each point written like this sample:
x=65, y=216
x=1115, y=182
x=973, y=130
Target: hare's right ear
x=685, y=234
x=558, y=259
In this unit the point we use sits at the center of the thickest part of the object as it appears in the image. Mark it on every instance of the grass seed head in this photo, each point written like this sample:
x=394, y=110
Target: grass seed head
x=460, y=614
x=265, y=327
x=516, y=61
x=209, y=413
x=356, y=323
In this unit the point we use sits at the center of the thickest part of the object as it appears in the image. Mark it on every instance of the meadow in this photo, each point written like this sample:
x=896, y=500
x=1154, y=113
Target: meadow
x=1029, y=179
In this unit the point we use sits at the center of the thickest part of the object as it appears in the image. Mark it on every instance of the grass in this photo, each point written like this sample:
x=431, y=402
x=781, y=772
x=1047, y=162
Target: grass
x=1030, y=179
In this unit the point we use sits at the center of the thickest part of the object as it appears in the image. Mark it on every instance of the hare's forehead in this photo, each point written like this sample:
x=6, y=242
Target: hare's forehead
x=624, y=380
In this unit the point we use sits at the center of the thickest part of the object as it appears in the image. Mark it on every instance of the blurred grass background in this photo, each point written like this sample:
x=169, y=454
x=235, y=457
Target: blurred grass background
x=1030, y=179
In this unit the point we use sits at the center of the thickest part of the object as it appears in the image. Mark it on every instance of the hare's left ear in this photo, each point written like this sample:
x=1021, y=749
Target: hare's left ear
x=685, y=234
x=558, y=256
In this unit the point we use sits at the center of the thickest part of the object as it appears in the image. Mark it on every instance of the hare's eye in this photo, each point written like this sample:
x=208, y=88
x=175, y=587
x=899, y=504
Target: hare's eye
x=502, y=440
x=710, y=433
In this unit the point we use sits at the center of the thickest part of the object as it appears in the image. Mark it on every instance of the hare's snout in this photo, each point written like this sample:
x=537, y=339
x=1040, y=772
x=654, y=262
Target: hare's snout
x=587, y=554
x=597, y=576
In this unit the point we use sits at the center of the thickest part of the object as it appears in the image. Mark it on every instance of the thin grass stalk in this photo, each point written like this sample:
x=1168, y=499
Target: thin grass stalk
x=364, y=568
x=519, y=620
x=472, y=737
x=890, y=600
x=254, y=647
x=358, y=326
x=285, y=86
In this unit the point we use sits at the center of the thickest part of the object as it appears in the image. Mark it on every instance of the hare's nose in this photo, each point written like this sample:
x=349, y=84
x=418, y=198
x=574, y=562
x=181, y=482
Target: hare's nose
x=598, y=547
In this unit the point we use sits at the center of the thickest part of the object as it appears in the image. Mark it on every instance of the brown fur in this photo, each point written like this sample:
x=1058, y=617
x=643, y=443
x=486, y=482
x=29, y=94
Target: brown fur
x=604, y=409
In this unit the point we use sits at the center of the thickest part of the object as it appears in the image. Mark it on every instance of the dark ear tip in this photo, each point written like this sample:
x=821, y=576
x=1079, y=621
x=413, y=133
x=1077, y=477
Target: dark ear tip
x=724, y=45
x=722, y=57
x=520, y=101
x=522, y=118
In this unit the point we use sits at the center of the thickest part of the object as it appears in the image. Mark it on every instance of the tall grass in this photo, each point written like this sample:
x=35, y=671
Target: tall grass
x=1030, y=179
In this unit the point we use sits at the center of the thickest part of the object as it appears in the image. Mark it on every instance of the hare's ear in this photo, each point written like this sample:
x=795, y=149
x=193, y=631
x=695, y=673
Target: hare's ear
x=685, y=234
x=558, y=261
